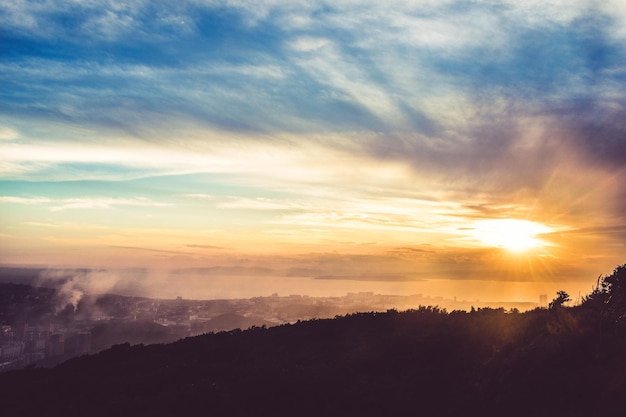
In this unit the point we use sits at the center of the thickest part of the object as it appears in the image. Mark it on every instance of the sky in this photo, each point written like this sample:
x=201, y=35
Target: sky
x=238, y=148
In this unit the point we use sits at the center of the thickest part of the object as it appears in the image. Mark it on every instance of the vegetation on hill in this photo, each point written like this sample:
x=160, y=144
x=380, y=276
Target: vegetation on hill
x=487, y=362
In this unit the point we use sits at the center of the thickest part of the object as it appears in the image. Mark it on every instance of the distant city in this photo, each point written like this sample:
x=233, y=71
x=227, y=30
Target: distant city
x=41, y=329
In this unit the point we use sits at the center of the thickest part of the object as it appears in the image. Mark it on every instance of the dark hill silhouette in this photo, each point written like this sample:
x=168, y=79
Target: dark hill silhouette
x=545, y=362
x=134, y=332
x=233, y=321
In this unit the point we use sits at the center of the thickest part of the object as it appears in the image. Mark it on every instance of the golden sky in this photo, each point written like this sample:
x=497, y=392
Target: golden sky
x=223, y=149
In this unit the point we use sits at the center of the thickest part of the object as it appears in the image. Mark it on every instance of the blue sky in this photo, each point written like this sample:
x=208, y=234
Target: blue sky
x=284, y=132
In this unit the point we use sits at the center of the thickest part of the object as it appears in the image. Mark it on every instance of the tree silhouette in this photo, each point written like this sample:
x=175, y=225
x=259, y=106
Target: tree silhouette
x=561, y=297
x=609, y=295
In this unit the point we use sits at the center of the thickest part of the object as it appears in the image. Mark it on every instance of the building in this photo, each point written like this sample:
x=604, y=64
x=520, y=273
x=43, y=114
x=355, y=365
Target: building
x=83, y=343
x=11, y=350
x=56, y=347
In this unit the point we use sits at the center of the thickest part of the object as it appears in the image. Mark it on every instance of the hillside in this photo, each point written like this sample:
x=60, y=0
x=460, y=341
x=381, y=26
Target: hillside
x=545, y=362
x=541, y=362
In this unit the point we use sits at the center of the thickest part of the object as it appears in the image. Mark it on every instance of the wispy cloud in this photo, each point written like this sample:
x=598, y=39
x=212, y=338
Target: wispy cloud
x=413, y=51
x=82, y=203
x=40, y=224
x=205, y=246
x=8, y=133
x=25, y=200
x=137, y=248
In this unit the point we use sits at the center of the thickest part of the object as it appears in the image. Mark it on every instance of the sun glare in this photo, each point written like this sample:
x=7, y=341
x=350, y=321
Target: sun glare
x=511, y=234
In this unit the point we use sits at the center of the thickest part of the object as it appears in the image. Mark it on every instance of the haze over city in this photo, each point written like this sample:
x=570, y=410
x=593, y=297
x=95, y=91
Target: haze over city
x=228, y=149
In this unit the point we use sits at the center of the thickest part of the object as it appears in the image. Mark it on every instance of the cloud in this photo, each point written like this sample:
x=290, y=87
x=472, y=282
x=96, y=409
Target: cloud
x=347, y=122
x=198, y=196
x=412, y=53
x=150, y=250
x=40, y=224
x=308, y=44
x=25, y=200
x=7, y=134
x=370, y=277
x=105, y=203
x=205, y=246
x=261, y=203
x=83, y=203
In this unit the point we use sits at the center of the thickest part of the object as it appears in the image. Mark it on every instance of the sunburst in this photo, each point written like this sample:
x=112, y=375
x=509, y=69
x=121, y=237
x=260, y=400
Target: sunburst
x=511, y=234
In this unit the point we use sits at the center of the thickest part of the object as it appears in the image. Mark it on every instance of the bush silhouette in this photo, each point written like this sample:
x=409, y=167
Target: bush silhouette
x=609, y=295
x=561, y=297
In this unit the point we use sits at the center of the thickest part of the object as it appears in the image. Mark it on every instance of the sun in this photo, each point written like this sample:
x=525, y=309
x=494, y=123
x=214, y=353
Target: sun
x=510, y=234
